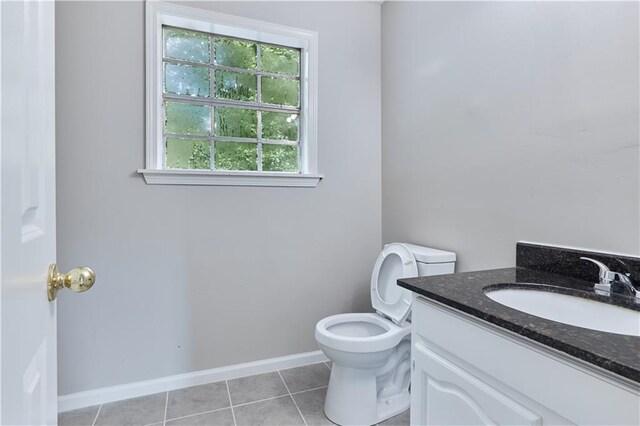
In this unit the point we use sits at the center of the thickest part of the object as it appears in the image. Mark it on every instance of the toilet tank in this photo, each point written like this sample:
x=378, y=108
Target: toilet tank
x=433, y=261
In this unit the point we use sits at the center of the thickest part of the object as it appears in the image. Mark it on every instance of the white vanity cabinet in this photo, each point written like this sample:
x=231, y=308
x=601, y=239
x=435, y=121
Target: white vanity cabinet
x=469, y=372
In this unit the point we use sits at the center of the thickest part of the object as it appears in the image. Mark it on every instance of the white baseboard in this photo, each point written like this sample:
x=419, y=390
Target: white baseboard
x=131, y=390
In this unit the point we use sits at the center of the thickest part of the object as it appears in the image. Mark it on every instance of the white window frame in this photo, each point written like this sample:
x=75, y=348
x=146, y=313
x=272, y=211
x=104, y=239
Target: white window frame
x=159, y=14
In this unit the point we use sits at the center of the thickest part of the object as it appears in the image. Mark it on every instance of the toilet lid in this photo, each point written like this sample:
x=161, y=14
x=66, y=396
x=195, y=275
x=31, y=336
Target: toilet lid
x=394, y=262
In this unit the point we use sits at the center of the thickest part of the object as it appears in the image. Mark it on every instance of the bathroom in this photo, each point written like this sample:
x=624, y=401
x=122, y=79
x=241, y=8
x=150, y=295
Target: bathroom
x=460, y=126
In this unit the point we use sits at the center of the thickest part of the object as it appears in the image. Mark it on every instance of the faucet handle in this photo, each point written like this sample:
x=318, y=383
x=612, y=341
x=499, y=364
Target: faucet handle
x=615, y=282
x=628, y=270
x=605, y=275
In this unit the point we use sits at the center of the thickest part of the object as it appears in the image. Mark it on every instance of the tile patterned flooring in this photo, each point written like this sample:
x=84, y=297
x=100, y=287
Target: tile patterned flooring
x=281, y=398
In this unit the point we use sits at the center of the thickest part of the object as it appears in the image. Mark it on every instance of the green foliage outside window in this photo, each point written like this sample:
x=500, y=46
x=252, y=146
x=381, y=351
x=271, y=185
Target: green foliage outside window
x=280, y=60
x=279, y=158
x=187, y=154
x=187, y=71
x=185, y=118
x=236, y=86
x=236, y=122
x=200, y=157
x=235, y=53
x=280, y=91
x=279, y=126
x=236, y=156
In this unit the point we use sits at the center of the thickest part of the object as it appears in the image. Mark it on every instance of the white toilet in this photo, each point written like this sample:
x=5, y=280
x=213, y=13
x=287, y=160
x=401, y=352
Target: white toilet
x=371, y=353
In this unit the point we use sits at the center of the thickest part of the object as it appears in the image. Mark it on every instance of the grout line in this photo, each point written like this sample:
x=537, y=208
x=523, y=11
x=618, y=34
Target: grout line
x=96, y=417
x=198, y=414
x=226, y=382
x=261, y=400
x=292, y=398
x=308, y=390
x=166, y=407
x=298, y=408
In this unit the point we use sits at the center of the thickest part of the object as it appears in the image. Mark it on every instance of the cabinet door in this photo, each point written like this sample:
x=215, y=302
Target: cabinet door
x=445, y=394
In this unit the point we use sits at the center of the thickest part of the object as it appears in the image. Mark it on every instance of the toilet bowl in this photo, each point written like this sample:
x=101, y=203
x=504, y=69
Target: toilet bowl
x=371, y=352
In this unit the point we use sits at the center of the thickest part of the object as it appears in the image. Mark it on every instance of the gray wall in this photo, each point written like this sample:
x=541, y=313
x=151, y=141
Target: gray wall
x=501, y=122
x=191, y=278
x=510, y=121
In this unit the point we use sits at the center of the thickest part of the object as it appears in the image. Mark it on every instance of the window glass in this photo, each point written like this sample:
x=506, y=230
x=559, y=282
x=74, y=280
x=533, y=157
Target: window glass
x=280, y=60
x=235, y=53
x=236, y=156
x=188, y=153
x=186, y=45
x=238, y=99
x=186, y=118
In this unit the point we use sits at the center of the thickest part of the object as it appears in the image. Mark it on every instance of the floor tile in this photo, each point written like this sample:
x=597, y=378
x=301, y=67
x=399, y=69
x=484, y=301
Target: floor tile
x=136, y=411
x=307, y=377
x=82, y=417
x=311, y=405
x=197, y=399
x=401, y=419
x=255, y=388
x=222, y=417
x=278, y=411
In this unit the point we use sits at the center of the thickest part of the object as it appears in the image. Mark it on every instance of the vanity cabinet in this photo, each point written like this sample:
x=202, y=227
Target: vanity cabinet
x=469, y=372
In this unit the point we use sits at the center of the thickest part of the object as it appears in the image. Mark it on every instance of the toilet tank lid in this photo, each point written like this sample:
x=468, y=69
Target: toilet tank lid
x=431, y=255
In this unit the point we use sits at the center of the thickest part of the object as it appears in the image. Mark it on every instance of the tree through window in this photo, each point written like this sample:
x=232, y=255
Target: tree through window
x=229, y=104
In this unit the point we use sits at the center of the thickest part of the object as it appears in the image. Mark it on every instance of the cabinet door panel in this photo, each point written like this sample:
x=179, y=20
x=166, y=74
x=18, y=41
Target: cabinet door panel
x=452, y=396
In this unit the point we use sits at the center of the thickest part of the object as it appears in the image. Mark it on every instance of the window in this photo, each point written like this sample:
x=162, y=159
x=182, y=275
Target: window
x=230, y=101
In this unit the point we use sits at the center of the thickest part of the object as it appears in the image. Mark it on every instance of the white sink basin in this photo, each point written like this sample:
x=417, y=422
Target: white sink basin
x=570, y=310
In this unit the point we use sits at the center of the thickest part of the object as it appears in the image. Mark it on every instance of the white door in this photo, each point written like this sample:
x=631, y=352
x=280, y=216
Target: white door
x=27, y=213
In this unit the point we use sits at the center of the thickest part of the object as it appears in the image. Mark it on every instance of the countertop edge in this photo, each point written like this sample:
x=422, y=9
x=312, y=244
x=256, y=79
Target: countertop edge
x=627, y=372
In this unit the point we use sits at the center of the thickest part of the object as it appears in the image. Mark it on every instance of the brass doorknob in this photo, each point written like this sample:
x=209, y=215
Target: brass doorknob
x=78, y=280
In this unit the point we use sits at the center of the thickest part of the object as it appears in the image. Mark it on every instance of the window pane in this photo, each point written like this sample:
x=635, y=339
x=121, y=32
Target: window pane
x=187, y=154
x=235, y=53
x=236, y=86
x=180, y=117
x=280, y=60
x=186, y=45
x=280, y=91
x=236, y=122
x=236, y=156
x=186, y=80
x=279, y=126
x=279, y=158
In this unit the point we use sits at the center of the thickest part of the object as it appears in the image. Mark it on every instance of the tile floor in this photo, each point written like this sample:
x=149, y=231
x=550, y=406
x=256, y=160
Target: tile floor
x=286, y=397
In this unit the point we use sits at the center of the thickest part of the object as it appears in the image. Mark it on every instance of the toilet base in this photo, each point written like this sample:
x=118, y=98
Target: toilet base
x=352, y=398
x=393, y=406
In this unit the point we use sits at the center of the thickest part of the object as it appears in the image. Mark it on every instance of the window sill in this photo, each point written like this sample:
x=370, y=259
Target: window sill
x=196, y=177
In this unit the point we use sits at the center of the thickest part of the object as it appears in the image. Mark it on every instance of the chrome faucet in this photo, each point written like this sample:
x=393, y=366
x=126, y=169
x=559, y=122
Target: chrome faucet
x=614, y=282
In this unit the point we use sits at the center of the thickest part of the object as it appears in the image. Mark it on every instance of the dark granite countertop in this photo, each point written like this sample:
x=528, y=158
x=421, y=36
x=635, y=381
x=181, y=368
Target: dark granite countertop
x=617, y=353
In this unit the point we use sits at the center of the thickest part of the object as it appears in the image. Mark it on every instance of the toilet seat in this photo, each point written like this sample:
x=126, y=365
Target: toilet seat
x=328, y=333
x=387, y=298
x=366, y=333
